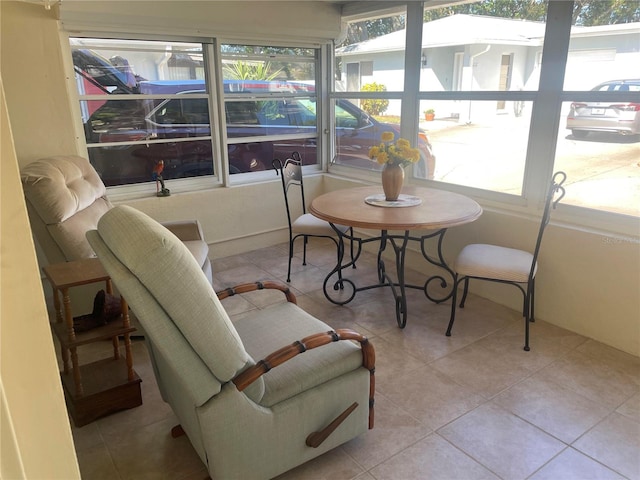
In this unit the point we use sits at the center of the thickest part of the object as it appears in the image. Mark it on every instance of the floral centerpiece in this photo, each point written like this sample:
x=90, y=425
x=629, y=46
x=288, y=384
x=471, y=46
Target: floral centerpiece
x=399, y=153
x=394, y=156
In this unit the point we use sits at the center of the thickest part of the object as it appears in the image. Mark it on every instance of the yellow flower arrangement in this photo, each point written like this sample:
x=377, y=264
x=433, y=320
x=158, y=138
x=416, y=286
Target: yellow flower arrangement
x=398, y=153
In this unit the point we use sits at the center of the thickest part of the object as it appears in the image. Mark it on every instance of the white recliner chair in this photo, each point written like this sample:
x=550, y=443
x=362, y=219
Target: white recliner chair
x=66, y=198
x=257, y=396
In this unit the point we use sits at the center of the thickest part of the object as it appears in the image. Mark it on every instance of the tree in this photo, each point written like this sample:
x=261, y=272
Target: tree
x=585, y=13
x=250, y=71
x=605, y=12
x=367, y=29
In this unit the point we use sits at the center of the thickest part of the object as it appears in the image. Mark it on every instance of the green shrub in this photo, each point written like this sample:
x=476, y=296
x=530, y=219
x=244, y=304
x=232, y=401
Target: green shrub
x=374, y=106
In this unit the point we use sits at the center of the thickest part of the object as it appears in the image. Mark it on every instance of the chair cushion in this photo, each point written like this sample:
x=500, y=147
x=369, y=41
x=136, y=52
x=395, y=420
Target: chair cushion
x=65, y=198
x=494, y=262
x=265, y=331
x=308, y=224
x=59, y=187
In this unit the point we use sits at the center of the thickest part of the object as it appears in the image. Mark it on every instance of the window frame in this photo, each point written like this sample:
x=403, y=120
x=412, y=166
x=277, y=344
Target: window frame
x=546, y=105
x=211, y=50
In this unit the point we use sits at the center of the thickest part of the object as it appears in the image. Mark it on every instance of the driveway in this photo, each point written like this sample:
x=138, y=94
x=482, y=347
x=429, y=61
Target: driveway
x=603, y=170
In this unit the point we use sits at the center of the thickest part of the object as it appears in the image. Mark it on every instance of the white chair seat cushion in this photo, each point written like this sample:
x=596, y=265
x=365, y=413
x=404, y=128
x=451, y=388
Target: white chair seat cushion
x=494, y=262
x=309, y=224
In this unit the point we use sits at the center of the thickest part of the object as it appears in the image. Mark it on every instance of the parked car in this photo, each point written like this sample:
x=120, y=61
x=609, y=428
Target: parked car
x=621, y=118
x=248, y=114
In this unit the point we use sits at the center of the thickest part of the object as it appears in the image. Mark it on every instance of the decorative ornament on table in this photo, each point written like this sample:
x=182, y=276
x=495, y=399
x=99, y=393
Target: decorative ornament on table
x=394, y=157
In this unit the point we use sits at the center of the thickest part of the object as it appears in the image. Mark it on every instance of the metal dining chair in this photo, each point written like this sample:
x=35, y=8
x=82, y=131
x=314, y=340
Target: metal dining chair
x=305, y=225
x=506, y=265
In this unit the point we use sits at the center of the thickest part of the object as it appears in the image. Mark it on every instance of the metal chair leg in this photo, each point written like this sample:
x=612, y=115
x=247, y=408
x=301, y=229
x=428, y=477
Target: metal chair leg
x=351, y=243
x=464, y=292
x=304, y=250
x=454, y=298
x=290, y=258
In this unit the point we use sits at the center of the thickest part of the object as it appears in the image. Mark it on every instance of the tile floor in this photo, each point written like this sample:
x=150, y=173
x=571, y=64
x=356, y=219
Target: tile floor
x=472, y=406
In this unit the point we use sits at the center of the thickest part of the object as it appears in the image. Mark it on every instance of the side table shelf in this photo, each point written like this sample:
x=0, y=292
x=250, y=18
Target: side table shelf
x=96, y=389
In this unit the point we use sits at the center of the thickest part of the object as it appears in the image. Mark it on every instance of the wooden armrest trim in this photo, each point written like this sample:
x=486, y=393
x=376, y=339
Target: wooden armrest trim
x=251, y=374
x=250, y=287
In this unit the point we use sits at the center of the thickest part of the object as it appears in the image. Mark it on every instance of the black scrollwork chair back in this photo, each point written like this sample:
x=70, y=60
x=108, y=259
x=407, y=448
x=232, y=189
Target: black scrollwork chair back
x=506, y=265
x=304, y=225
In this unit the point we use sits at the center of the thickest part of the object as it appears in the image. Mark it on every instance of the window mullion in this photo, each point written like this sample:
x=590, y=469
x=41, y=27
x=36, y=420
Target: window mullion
x=545, y=117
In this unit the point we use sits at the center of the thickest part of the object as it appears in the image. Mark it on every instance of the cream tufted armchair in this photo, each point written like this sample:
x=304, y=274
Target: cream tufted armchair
x=66, y=198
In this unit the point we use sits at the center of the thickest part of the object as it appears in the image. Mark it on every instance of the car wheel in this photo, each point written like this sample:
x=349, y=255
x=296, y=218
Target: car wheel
x=579, y=133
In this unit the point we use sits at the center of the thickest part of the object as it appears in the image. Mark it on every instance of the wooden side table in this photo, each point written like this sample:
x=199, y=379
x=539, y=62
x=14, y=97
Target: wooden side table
x=105, y=386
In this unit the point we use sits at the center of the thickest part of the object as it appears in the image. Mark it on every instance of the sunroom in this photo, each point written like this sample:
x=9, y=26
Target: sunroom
x=501, y=95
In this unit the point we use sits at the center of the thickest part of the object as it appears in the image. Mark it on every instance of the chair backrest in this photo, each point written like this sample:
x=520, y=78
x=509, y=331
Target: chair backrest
x=65, y=197
x=291, y=174
x=554, y=195
x=195, y=344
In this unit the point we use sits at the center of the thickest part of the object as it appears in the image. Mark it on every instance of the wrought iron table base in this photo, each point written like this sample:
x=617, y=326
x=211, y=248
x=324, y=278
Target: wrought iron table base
x=398, y=243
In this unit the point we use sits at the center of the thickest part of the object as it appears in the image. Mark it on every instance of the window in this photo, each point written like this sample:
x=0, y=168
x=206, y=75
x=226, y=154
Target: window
x=598, y=142
x=141, y=102
x=472, y=104
x=488, y=122
x=146, y=101
x=367, y=92
x=270, y=105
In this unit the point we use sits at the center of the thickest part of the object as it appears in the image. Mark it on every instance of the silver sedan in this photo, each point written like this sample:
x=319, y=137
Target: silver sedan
x=622, y=118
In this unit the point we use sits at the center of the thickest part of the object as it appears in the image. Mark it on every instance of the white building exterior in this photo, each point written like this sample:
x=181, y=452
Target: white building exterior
x=480, y=53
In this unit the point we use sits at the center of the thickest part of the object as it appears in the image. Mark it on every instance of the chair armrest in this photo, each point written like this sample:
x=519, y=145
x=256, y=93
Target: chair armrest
x=284, y=354
x=250, y=287
x=185, y=230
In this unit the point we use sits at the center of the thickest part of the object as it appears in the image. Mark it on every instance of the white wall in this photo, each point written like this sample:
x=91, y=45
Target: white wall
x=35, y=435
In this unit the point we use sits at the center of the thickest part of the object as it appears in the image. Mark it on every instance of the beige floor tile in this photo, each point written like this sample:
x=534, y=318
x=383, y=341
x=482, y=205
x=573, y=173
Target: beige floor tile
x=364, y=476
x=614, y=357
x=333, y=465
x=430, y=396
x=502, y=442
x=325, y=256
x=547, y=343
x=239, y=275
x=86, y=437
x=555, y=409
x=137, y=458
x=631, y=408
x=573, y=465
x=564, y=386
x=307, y=279
x=96, y=463
x=392, y=363
x=616, y=443
x=394, y=430
x=432, y=458
x=276, y=260
x=423, y=341
x=227, y=263
x=594, y=378
x=487, y=371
